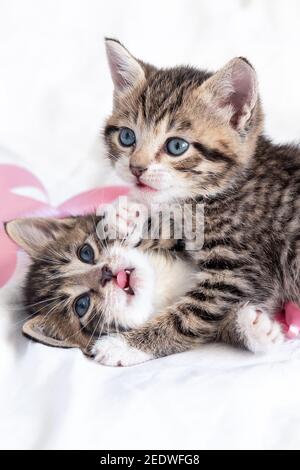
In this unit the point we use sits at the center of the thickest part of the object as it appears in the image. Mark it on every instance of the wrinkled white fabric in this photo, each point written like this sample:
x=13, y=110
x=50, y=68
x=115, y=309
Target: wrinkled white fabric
x=55, y=92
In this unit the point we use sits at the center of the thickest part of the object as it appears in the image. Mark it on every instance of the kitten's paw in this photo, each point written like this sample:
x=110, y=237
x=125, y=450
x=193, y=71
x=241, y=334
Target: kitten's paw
x=259, y=331
x=124, y=220
x=115, y=351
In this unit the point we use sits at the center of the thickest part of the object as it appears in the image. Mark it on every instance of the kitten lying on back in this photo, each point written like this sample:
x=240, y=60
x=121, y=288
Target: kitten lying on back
x=80, y=287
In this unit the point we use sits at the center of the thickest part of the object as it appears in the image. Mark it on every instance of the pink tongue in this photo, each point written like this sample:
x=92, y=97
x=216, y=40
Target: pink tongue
x=122, y=279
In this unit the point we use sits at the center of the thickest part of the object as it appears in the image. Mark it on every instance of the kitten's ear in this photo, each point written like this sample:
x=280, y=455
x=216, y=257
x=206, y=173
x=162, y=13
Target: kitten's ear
x=33, y=234
x=38, y=330
x=233, y=92
x=126, y=71
x=42, y=331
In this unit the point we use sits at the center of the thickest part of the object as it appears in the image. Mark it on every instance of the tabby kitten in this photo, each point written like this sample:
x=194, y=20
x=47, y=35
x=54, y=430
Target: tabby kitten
x=183, y=134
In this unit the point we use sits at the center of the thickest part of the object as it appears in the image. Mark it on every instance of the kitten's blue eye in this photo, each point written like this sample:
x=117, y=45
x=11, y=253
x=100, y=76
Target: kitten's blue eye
x=86, y=254
x=82, y=304
x=126, y=137
x=176, y=146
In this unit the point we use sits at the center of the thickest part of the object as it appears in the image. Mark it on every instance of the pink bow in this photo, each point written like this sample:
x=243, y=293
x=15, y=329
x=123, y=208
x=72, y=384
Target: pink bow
x=13, y=205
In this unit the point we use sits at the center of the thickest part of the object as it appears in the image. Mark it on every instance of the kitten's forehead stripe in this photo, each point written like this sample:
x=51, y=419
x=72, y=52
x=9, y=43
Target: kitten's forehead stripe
x=181, y=126
x=142, y=101
x=166, y=90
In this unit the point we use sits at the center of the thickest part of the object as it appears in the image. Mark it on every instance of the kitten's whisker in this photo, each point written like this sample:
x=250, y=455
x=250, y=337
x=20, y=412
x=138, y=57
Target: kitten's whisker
x=97, y=324
x=116, y=323
x=27, y=317
x=103, y=323
x=51, y=299
x=54, y=307
x=26, y=306
x=105, y=247
x=45, y=260
x=59, y=256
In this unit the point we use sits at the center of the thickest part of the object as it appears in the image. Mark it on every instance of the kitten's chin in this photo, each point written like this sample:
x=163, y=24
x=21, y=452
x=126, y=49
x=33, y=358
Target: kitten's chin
x=150, y=196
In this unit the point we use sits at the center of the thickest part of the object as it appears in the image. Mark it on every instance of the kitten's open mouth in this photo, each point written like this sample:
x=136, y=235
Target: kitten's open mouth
x=123, y=279
x=143, y=186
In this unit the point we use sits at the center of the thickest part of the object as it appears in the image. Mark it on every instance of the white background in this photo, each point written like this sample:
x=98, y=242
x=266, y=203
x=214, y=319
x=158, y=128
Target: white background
x=55, y=92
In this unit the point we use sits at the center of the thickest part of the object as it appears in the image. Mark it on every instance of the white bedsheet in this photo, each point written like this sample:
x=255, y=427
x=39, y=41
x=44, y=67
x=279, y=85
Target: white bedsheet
x=54, y=94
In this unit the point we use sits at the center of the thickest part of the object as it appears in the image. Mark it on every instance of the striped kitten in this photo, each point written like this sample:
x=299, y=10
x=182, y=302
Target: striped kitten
x=80, y=287
x=183, y=134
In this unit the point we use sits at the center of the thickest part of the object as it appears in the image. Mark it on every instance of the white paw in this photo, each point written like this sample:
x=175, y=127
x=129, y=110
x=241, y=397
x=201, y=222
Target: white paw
x=124, y=220
x=260, y=332
x=115, y=351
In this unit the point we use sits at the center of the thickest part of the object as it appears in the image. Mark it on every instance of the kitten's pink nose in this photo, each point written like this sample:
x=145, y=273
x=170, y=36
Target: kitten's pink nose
x=106, y=275
x=137, y=170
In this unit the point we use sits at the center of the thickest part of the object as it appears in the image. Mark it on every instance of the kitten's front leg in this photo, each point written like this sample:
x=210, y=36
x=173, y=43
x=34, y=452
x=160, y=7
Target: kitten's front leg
x=176, y=330
x=115, y=350
x=185, y=326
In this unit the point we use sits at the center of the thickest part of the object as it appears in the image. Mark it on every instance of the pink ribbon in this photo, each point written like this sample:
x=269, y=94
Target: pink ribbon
x=13, y=205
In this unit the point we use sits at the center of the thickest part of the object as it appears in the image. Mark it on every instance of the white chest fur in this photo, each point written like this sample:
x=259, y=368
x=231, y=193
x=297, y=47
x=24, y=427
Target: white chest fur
x=173, y=278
